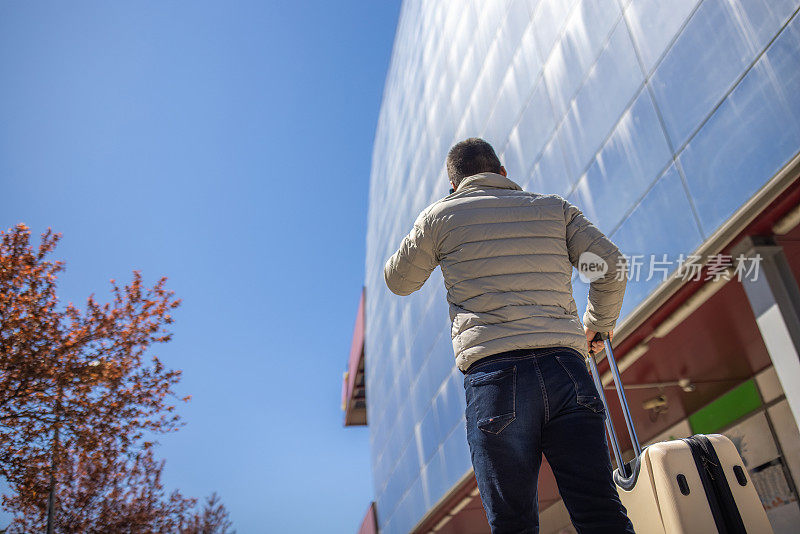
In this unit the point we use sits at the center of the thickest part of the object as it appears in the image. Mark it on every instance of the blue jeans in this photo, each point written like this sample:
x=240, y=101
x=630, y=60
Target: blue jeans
x=521, y=404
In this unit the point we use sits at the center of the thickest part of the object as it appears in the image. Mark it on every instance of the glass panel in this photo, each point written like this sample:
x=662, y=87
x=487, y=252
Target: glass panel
x=424, y=388
x=462, y=90
x=448, y=404
x=527, y=60
x=750, y=136
x=517, y=20
x=532, y=5
x=466, y=26
x=420, y=401
x=513, y=159
x=425, y=334
x=607, y=91
x=405, y=424
x=391, y=495
x=470, y=124
x=435, y=478
x=534, y=129
x=625, y=167
x=549, y=18
x=661, y=224
x=439, y=485
x=505, y=112
x=456, y=453
x=718, y=43
x=442, y=360
x=452, y=19
x=586, y=29
x=654, y=24
x=580, y=294
x=550, y=173
x=416, y=505
x=515, y=91
x=489, y=18
x=494, y=68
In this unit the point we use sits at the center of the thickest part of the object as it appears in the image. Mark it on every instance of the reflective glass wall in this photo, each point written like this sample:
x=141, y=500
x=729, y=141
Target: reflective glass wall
x=658, y=119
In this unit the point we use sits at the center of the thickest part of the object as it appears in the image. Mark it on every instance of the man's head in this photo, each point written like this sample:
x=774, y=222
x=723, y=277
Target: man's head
x=471, y=156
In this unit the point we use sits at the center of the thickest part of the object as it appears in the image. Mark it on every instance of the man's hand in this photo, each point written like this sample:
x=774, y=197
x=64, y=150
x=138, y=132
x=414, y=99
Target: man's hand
x=596, y=346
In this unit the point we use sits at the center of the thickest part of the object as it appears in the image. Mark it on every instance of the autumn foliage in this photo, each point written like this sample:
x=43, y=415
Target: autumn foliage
x=81, y=398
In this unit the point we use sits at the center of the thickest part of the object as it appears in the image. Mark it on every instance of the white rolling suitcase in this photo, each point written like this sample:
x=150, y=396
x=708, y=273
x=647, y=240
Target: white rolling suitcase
x=692, y=485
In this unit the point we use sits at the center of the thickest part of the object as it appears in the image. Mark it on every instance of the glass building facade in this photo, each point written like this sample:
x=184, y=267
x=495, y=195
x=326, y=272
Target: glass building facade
x=658, y=119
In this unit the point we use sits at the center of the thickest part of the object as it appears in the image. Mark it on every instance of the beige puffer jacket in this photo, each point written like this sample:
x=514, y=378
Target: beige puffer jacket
x=507, y=258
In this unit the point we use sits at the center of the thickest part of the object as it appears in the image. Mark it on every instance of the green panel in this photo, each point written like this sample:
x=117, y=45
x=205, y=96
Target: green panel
x=728, y=408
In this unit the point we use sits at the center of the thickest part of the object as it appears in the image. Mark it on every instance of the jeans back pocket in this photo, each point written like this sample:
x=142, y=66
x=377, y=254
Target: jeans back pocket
x=585, y=389
x=494, y=394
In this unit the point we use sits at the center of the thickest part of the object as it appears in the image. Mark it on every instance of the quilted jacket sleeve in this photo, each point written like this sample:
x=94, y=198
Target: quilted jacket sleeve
x=606, y=291
x=408, y=268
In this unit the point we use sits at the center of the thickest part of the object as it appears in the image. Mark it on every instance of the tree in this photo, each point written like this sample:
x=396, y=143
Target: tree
x=107, y=494
x=79, y=397
x=212, y=519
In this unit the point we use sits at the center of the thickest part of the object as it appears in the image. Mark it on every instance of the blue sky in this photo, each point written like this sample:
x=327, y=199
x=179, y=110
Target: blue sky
x=226, y=145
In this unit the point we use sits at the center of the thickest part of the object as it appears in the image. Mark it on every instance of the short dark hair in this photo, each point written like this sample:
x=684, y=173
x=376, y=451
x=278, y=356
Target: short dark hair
x=471, y=156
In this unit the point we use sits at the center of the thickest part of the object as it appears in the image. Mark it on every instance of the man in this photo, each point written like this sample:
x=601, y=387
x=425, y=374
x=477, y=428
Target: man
x=507, y=257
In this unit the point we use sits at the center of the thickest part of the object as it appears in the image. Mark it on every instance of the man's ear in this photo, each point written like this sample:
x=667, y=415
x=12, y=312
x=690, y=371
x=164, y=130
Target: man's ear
x=503, y=171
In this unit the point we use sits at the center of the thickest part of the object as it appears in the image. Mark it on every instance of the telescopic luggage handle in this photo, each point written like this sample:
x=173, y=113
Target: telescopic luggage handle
x=637, y=449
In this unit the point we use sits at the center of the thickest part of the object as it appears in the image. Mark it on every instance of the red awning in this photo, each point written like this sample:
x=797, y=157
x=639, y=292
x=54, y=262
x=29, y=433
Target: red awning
x=370, y=523
x=354, y=389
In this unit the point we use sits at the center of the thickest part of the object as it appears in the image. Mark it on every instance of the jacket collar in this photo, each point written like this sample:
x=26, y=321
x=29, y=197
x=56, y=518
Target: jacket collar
x=487, y=179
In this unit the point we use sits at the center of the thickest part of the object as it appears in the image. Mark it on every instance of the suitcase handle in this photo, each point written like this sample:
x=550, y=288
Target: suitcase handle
x=637, y=448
